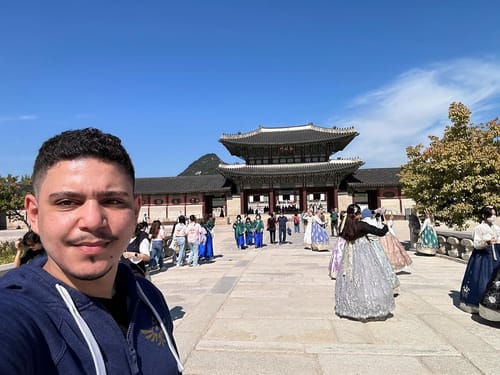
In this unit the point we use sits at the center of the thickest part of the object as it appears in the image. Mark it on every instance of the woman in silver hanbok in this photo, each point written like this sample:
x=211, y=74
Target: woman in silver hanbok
x=362, y=289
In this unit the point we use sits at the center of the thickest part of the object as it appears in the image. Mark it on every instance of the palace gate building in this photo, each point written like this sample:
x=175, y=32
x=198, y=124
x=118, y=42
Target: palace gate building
x=289, y=168
x=283, y=168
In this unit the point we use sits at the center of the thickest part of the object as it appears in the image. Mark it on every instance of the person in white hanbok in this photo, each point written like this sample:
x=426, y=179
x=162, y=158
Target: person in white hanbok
x=483, y=262
x=308, y=217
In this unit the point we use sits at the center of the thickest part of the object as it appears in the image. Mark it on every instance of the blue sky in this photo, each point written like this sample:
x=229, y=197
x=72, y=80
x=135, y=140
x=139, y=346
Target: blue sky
x=170, y=77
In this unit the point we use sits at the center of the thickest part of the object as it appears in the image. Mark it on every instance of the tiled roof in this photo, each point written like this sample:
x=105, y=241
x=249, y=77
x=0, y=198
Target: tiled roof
x=302, y=134
x=181, y=184
x=374, y=177
x=339, y=165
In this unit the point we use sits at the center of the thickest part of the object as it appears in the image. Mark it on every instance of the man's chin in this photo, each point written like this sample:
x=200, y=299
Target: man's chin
x=89, y=275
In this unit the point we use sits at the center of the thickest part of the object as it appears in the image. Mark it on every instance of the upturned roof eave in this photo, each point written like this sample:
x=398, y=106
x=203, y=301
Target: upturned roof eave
x=333, y=166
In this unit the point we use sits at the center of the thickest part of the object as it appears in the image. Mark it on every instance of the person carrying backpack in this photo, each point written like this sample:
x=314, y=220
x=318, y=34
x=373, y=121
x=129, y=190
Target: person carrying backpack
x=138, y=254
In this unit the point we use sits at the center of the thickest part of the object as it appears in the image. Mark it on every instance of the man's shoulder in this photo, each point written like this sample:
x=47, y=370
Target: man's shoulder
x=18, y=310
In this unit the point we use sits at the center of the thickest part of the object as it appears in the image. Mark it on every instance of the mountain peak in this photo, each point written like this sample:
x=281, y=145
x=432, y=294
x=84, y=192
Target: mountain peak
x=205, y=165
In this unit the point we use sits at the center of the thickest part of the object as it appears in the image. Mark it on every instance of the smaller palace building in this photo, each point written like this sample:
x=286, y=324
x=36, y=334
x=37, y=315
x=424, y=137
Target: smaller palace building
x=285, y=168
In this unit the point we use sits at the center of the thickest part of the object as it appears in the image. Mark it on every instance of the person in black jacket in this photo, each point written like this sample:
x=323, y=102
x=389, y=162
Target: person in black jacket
x=34, y=249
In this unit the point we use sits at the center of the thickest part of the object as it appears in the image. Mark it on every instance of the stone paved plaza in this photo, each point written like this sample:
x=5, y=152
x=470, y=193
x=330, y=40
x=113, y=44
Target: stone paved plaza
x=271, y=311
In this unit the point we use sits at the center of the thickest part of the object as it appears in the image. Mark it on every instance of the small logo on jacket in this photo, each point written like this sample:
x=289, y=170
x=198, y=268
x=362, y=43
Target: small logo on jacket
x=155, y=334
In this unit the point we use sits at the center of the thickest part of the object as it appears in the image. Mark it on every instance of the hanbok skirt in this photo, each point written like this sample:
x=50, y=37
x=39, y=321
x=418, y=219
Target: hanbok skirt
x=429, y=242
x=308, y=234
x=489, y=308
x=206, y=250
x=336, y=257
x=396, y=253
x=362, y=290
x=478, y=272
x=320, y=241
x=384, y=262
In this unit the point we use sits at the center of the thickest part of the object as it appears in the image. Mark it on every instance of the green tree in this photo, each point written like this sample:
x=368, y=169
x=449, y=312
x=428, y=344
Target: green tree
x=12, y=193
x=457, y=175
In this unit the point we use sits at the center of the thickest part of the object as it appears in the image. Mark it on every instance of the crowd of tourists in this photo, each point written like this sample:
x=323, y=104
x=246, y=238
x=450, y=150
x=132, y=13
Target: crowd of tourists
x=367, y=258
x=189, y=244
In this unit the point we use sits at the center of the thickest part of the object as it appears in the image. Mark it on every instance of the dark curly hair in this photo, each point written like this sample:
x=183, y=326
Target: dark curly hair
x=81, y=143
x=486, y=212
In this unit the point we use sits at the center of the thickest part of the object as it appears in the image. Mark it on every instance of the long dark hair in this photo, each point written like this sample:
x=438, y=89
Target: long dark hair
x=155, y=228
x=349, y=230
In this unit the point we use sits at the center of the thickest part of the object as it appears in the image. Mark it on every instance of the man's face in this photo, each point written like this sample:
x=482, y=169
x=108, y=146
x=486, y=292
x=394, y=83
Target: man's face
x=85, y=214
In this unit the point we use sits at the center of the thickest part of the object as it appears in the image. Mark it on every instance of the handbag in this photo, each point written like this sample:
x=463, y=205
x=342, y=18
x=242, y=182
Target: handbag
x=174, y=245
x=289, y=231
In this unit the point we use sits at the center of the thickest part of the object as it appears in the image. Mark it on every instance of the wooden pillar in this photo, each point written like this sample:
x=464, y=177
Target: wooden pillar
x=336, y=197
x=303, y=199
x=243, y=202
x=333, y=201
x=271, y=200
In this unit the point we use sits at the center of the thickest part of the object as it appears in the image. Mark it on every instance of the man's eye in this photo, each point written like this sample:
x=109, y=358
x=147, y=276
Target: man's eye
x=113, y=202
x=65, y=202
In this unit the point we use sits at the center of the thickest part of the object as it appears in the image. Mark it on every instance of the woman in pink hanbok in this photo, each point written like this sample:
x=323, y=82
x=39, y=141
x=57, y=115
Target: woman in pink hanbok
x=396, y=253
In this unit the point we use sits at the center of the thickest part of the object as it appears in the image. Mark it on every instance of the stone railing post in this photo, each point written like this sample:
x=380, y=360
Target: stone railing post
x=442, y=245
x=468, y=246
x=454, y=243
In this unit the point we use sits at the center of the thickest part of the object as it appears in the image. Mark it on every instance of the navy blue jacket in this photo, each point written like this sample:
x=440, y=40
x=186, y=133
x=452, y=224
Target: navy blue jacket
x=41, y=328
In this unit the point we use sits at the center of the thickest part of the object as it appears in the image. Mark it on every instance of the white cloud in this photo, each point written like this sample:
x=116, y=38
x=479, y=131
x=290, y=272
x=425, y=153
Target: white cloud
x=27, y=117
x=415, y=105
x=18, y=118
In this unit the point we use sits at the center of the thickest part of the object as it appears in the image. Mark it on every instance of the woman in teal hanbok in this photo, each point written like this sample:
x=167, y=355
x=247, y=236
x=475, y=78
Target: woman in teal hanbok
x=429, y=242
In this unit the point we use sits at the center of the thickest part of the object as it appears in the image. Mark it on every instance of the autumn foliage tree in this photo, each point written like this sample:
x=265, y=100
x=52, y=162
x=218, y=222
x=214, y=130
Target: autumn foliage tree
x=12, y=192
x=458, y=174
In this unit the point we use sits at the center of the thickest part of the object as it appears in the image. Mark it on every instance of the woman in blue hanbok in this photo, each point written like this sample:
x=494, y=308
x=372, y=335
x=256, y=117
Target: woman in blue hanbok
x=485, y=258
x=362, y=290
x=205, y=248
x=319, y=236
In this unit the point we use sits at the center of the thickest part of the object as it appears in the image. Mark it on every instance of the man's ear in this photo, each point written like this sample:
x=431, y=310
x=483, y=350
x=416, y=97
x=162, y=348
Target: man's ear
x=31, y=206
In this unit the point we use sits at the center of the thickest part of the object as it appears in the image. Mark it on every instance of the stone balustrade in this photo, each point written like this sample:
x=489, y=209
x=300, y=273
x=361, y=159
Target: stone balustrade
x=455, y=244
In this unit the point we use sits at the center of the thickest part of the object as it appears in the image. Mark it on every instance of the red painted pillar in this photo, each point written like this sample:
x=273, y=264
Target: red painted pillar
x=243, y=203
x=303, y=199
x=335, y=197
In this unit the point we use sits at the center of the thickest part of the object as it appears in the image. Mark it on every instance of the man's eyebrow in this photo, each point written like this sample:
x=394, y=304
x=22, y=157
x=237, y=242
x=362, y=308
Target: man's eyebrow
x=104, y=194
x=63, y=194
